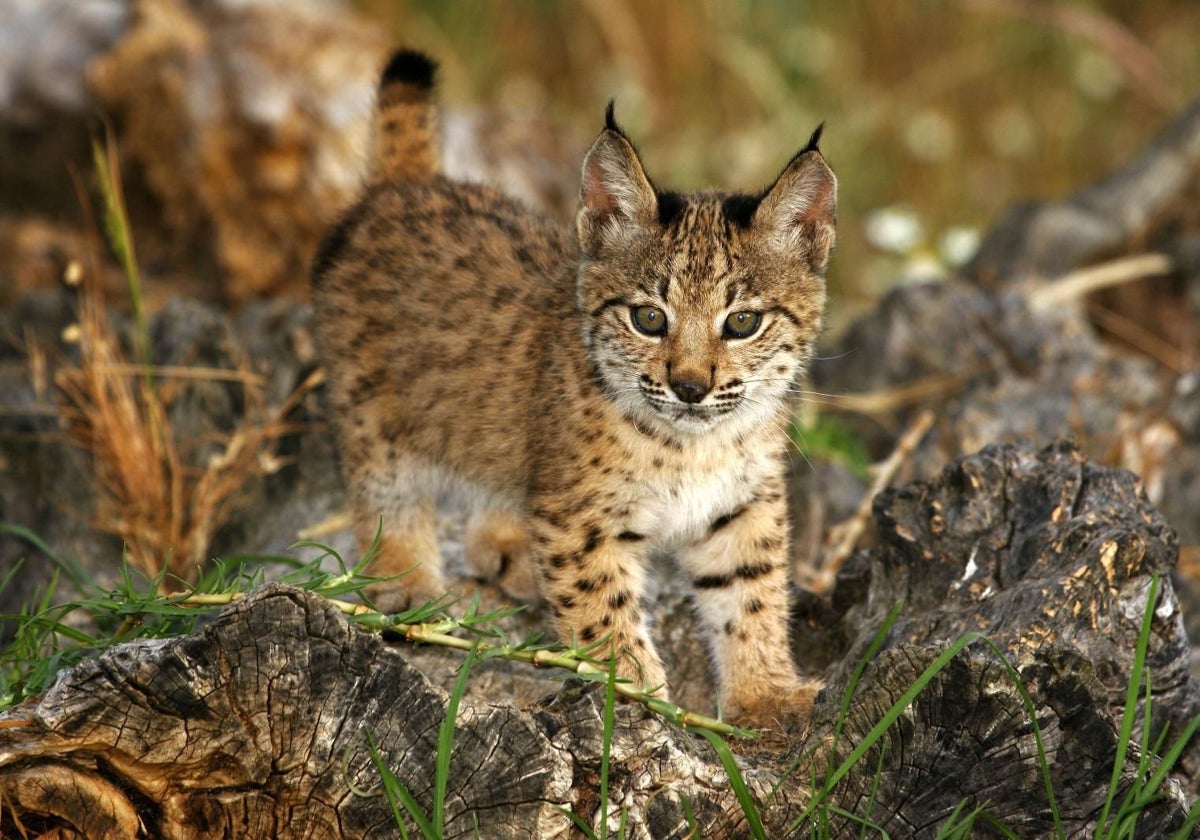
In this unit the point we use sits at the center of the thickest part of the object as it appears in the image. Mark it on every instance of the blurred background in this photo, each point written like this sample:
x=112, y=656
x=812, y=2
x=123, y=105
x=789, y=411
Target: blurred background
x=939, y=115
x=180, y=160
x=241, y=123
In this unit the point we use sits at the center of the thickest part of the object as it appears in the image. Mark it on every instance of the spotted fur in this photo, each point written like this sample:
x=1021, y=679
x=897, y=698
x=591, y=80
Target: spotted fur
x=478, y=350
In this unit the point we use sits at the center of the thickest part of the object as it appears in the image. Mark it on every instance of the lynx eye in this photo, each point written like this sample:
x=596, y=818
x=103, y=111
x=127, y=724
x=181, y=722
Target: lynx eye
x=742, y=324
x=649, y=319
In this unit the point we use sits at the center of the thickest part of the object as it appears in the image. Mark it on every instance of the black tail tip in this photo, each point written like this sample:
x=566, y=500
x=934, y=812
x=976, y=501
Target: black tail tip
x=409, y=67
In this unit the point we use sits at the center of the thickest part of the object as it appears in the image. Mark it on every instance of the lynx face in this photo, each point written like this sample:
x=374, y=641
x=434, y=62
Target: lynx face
x=700, y=310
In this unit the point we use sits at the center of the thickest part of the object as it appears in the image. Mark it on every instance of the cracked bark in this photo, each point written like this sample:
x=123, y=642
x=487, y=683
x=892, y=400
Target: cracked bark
x=256, y=726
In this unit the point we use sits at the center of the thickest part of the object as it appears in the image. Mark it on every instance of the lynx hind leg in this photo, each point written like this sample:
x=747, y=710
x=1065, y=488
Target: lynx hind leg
x=498, y=549
x=408, y=550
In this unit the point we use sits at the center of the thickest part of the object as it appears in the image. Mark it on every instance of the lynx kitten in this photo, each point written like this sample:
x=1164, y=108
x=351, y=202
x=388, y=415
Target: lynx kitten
x=601, y=398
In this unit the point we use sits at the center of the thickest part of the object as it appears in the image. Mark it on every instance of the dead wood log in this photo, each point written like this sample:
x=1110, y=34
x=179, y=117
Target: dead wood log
x=1051, y=557
x=256, y=726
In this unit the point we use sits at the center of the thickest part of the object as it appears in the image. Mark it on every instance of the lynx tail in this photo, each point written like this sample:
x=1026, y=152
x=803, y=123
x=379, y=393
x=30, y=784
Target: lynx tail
x=406, y=120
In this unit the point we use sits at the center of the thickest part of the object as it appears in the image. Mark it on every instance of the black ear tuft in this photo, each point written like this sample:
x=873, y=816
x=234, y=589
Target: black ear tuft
x=610, y=119
x=409, y=67
x=814, y=142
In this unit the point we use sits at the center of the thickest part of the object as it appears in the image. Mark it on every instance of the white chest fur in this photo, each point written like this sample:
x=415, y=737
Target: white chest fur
x=676, y=506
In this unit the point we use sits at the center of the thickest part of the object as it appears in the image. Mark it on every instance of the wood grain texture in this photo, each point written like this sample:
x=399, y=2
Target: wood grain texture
x=255, y=726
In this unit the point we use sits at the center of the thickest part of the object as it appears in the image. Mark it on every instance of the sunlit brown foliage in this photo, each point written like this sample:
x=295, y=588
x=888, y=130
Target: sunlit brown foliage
x=152, y=489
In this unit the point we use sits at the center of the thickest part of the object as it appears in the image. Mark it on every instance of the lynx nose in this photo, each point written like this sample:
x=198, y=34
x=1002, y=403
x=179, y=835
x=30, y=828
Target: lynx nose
x=689, y=391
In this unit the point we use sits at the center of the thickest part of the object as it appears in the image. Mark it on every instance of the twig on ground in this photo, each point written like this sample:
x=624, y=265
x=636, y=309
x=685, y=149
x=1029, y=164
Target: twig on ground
x=1076, y=284
x=844, y=536
x=885, y=400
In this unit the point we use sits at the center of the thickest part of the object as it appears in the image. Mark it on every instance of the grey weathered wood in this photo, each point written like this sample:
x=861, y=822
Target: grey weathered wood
x=255, y=726
x=1051, y=557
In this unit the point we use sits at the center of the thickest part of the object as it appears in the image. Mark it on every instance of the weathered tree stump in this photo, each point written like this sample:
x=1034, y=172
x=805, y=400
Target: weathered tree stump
x=1052, y=558
x=257, y=725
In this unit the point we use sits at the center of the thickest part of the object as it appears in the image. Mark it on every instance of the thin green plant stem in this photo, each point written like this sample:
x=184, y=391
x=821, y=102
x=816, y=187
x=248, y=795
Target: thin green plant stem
x=610, y=703
x=438, y=634
x=120, y=238
x=579, y=823
x=847, y=698
x=1189, y=824
x=414, y=625
x=863, y=821
x=871, y=798
x=955, y=824
x=856, y=676
x=398, y=795
x=1031, y=711
x=982, y=815
x=72, y=568
x=1149, y=783
x=1004, y=831
x=893, y=714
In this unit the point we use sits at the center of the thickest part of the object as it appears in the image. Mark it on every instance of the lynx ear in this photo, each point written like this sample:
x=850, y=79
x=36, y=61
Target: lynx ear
x=797, y=213
x=615, y=197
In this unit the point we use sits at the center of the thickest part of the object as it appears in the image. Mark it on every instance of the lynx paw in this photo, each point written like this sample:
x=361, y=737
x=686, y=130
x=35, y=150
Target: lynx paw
x=413, y=589
x=784, y=709
x=497, y=549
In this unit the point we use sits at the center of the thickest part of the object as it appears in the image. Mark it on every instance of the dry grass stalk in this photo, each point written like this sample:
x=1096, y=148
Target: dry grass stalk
x=163, y=507
x=150, y=491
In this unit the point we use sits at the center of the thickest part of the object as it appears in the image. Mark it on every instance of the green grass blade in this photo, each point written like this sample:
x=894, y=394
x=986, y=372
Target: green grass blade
x=610, y=703
x=997, y=826
x=856, y=676
x=736, y=782
x=1168, y=762
x=862, y=821
x=956, y=823
x=689, y=816
x=441, y=777
x=961, y=826
x=12, y=573
x=583, y=827
x=120, y=239
x=1031, y=711
x=871, y=798
x=398, y=795
x=77, y=574
x=1189, y=824
x=1150, y=786
x=893, y=714
x=1131, y=702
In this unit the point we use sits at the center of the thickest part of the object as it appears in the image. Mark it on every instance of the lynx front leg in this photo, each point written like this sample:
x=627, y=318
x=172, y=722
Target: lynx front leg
x=739, y=579
x=593, y=582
